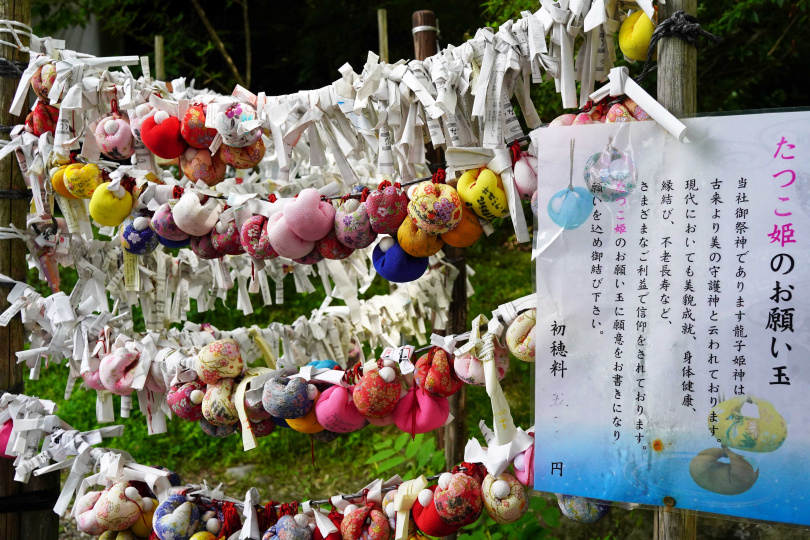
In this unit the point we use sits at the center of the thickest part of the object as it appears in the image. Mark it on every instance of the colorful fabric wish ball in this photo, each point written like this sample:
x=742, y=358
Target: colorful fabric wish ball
x=193, y=129
x=435, y=373
x=255, y=240
x=114, y=137
x=418, y=243
x=161, y=135
x=482, y=190
x=107, y=208
x=137, y=237
x=228, y=122
x=470, y=368
x=185, y=400
x=520, y=336
x=394, y=264
x=288, y=528
x=331, y=248
x=217, y=431
x=42, y=119
x=229, y=241
x=217, y=360
x=200, y=164
x=570, y=208
x=218, y=403
x=313, y=257
x=81, y=182
x=352, y=225
x=176, y=518
x=582, y=509
x=435, y=208
x=43, y=80
x=504, y=498
x=458, y=499
x=164, y=225
x=174, y=244
x=386, y=209
x=118, y=508
x=243, y=157
x=610, y=175
x=285, y=397
x=204, y=248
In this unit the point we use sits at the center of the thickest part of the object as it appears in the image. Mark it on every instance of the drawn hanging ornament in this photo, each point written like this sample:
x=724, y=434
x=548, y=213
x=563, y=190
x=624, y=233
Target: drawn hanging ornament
x=610, y=174
x=571, y=207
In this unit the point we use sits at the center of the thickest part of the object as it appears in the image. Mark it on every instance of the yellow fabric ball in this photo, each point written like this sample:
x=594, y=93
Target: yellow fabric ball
x=107, y=209
x=482, y=190
x=416, y=242
x=635, y=35
x=204, y=535
x=143, y=527
x=307, y=423
x=82, y=181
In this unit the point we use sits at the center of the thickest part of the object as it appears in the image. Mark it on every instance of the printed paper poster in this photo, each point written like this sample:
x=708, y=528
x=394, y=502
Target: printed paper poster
x=672, y=284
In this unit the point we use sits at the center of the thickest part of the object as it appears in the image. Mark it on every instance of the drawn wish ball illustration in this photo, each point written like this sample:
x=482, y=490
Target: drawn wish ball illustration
x=571, y=207
x=610, y=175
x=582, y=509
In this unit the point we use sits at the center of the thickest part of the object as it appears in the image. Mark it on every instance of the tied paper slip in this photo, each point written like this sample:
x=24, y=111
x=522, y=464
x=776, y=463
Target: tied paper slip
x=672, y=316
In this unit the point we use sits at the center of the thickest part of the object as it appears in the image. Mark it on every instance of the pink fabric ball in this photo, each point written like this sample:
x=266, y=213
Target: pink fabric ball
x=336, y=411
x=308, y=216
x=284, y=240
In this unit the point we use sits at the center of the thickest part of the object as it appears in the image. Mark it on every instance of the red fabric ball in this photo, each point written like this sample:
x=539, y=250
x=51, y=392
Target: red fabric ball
x=164, y=139
x=42, y=119
x=336, y=519
x=428, y=520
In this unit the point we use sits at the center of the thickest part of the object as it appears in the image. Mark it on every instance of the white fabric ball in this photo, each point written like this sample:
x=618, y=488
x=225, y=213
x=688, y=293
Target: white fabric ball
x=386, y=244
x=501, y=489
x=161, y=116
x=196, y=396
x=425, y=497
x=132, y=493
x=444, y=480
x=110, y=127
x=388, y=374
x=213, y=525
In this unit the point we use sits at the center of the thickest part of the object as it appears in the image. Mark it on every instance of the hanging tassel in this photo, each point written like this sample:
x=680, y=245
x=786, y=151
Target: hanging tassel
x=230, y=520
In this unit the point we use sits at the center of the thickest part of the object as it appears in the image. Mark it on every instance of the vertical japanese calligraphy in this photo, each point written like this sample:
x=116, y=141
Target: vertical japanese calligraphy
x=671, y=323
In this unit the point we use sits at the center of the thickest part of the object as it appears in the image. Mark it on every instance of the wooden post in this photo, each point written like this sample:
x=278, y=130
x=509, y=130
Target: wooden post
x=19, y=523
x=454, y=435
x=382, y=31
x=677, y=65
x=424, y=39
x=677, y=92
x=160, y=68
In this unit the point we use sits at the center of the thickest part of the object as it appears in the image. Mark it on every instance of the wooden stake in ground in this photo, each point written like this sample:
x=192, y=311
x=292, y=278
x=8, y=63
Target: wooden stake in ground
x=16, y=499
x=677, y=91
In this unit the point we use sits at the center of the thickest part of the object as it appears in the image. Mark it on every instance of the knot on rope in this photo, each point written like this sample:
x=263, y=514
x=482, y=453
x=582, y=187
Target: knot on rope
x=439, y=177
x=12, y=68
x=681, y=25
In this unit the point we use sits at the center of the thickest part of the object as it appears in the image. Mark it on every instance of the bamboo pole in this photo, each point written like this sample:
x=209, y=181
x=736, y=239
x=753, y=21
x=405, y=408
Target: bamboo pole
x=31, y=514
x=382, y=31
x=677, y=92
x=160, y=68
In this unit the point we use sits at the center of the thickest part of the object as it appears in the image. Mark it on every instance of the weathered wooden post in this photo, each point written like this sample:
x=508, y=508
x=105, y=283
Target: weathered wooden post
x=160, y=67
x=454, y=435
x=677, y=91
x=26, y=510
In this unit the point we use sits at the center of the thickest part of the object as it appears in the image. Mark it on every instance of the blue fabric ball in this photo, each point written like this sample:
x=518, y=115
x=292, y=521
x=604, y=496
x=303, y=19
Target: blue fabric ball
x=280, y=422
x=135, y=241
x=321, y=364
x=397, y=266
x=284, y=397
x=174, y=243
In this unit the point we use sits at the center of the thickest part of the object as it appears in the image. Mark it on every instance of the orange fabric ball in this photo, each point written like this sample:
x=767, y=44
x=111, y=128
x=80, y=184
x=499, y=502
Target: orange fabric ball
x=467, y=232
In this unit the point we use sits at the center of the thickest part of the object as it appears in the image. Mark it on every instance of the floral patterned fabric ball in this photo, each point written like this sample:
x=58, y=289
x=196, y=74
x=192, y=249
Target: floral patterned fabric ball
x=200, y=164
x=135, y=241
x=387, y=209
x=286, y=398
x=193, y=128
x=374, y=397
x=331, y=248
x=255, y=240
x=582, y=509
x=42, y=119
x=176, y=518
x=354, y=527
x=164, y=225
x=228, y=121
x=228, y=242
x=115, y=511
x=470, y=368
x=520, y=336
x=219, y=359
x=179, y=400
x=460, y=504
x=313, y=257
x=114, y=137
x=218, y=431
x=218, y=406
x=512, y=507
x=43, y=80
x=352, y=225
x=245, y=157
x=435, y=208
x=204, y=248
x=287, y=529
x=436, y=375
